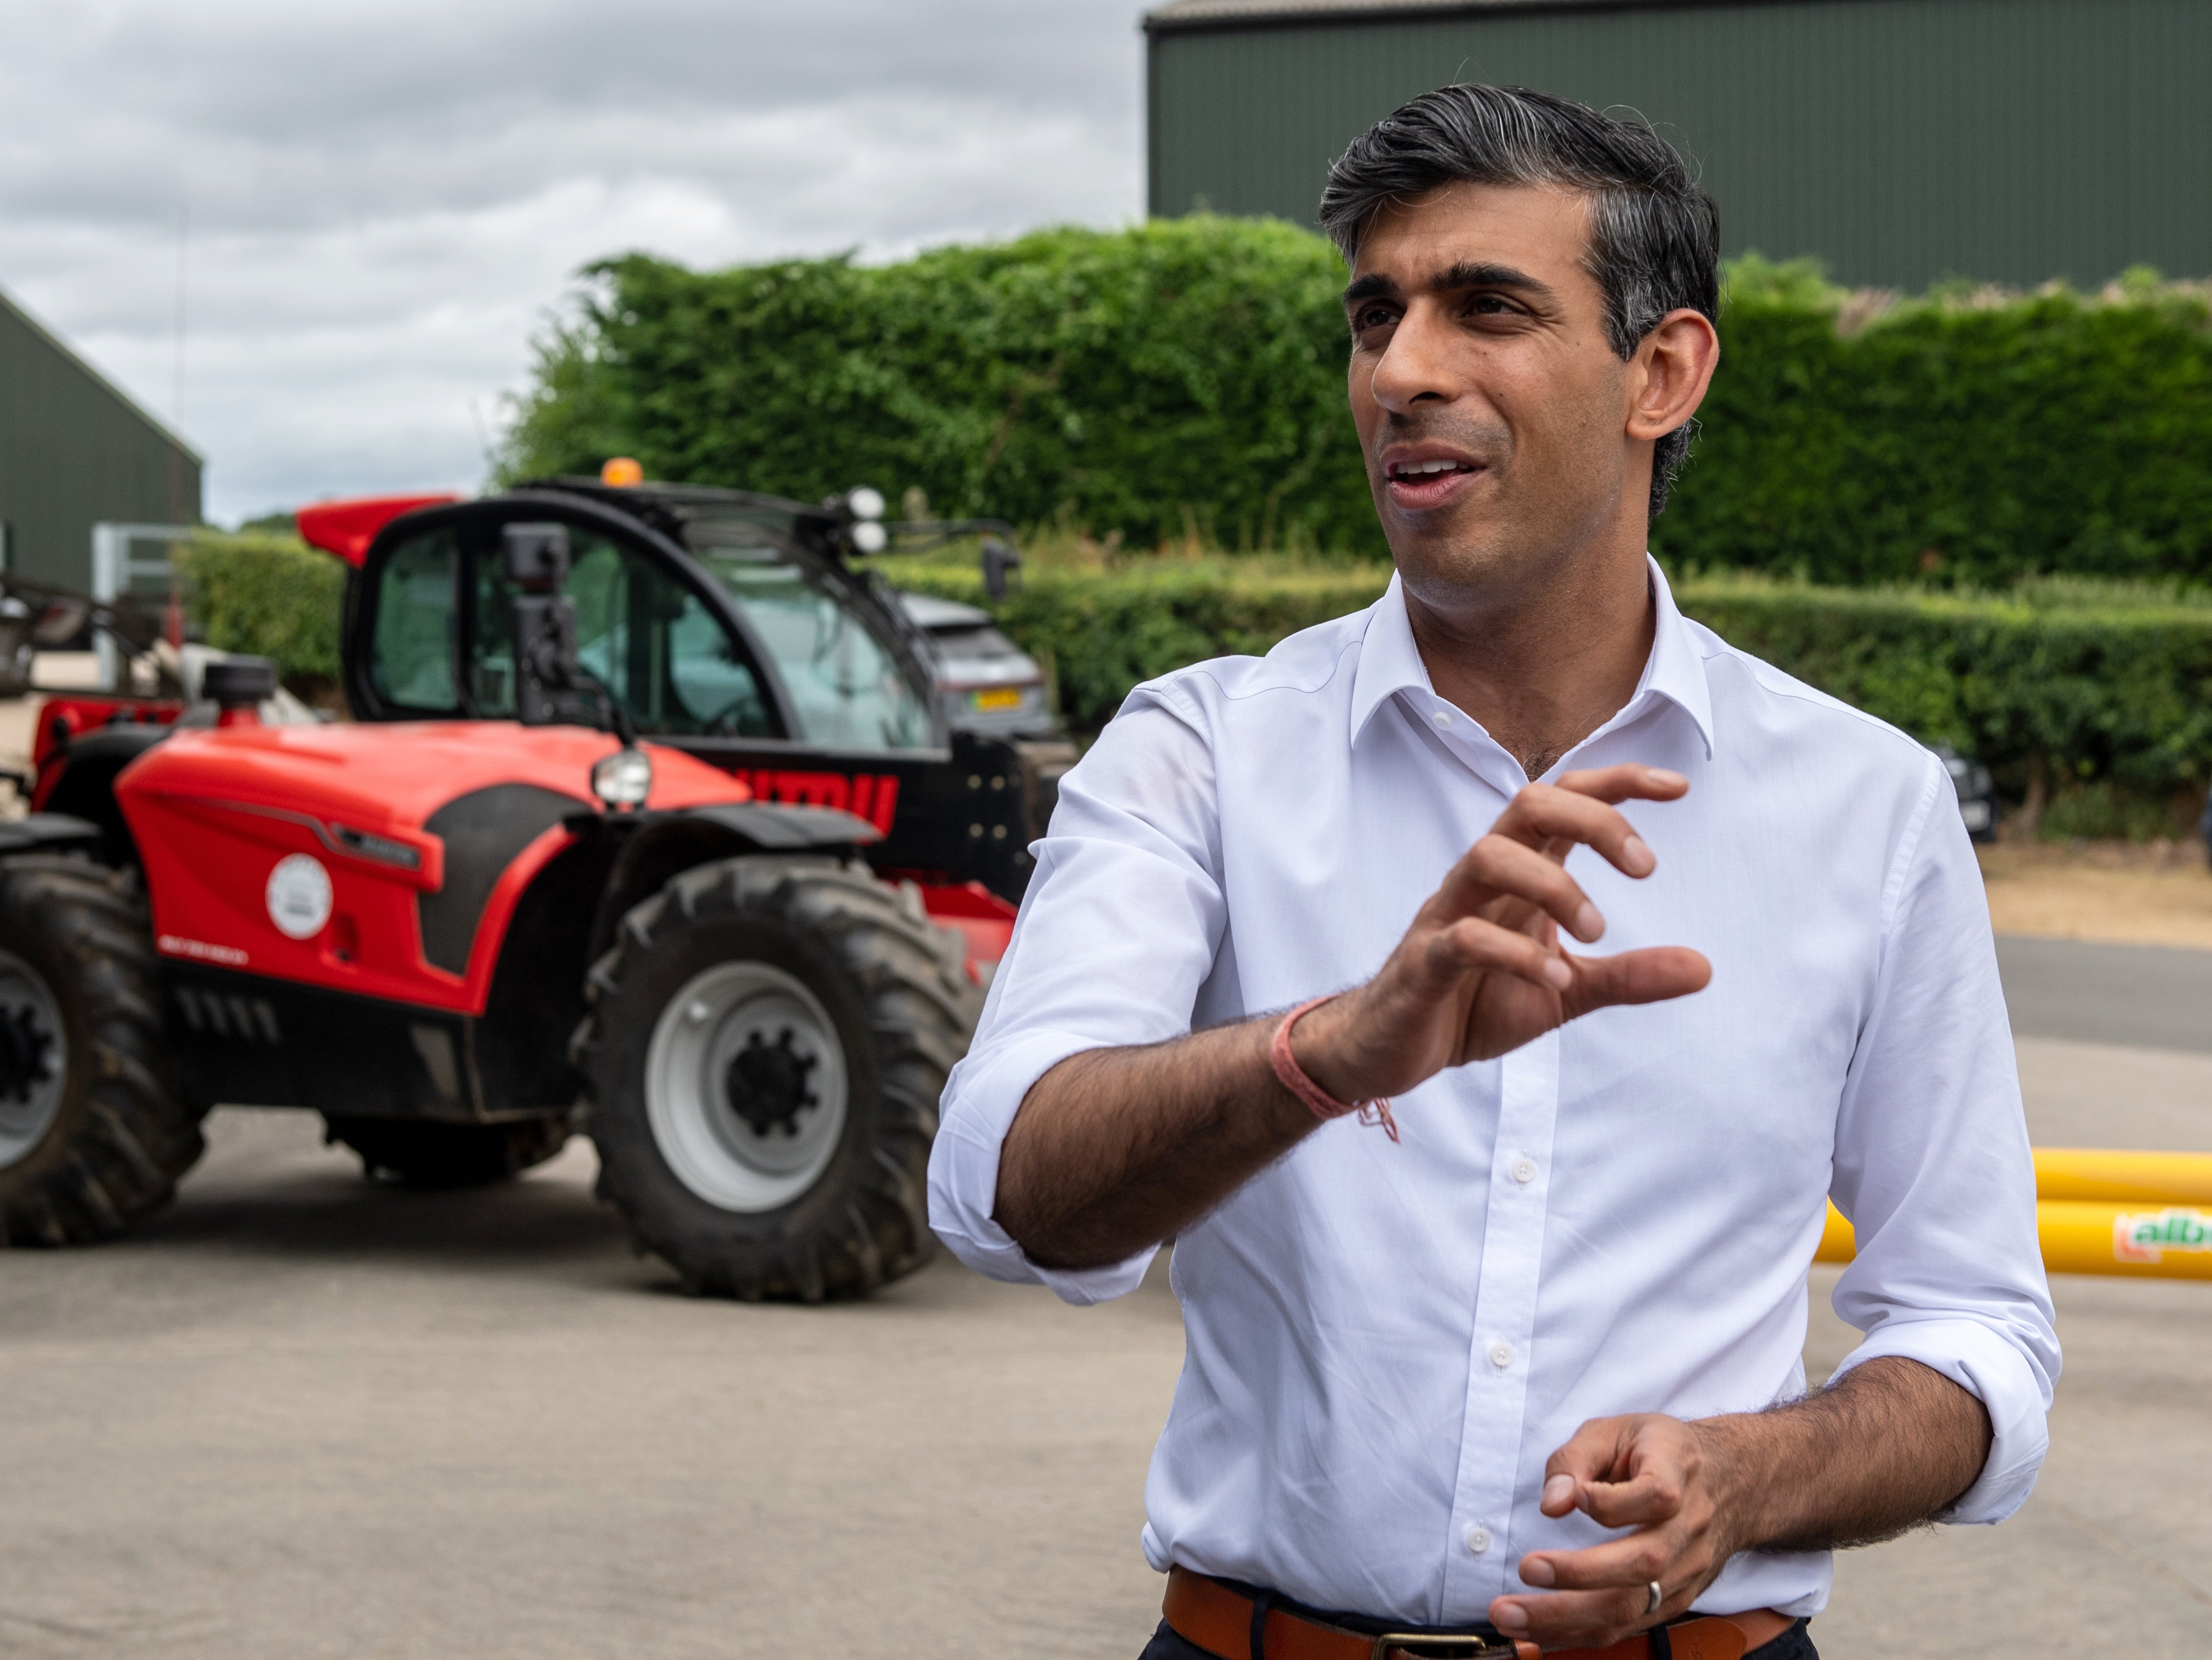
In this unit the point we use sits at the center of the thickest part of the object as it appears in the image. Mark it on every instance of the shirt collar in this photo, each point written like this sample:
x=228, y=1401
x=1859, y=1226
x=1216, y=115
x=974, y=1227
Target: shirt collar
x=1390, y=662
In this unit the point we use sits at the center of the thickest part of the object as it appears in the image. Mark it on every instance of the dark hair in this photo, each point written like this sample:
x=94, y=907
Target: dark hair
x=1655, y=235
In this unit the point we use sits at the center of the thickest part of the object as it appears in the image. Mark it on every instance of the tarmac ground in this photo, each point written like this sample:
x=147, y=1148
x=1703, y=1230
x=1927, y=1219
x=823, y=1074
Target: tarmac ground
x=300, y=1414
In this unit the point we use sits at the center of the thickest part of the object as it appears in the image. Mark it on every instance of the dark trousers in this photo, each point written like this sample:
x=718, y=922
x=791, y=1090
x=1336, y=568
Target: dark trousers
x=1796, y=1644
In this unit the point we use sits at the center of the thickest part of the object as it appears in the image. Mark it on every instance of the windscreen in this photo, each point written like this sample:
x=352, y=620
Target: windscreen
x=650, y=641
x=848, y=683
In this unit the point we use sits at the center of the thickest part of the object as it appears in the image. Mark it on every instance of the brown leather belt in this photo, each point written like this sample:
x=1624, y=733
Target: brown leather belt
x=1219, y=1619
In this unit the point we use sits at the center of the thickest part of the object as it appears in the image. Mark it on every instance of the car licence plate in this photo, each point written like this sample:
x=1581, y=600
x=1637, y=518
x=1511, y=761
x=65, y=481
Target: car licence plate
x=995, y=697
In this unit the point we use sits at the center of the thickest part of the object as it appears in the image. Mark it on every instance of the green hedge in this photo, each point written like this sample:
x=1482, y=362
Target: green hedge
x=1183, y=376
x=2103, y=689
x=2100, y=693
x=2100, y=687
x=1971, y=437
x=1187, y=376
x=271, y=595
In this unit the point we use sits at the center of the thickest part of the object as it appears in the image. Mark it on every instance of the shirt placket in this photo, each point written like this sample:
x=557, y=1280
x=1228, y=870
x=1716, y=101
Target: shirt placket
x=1482, y=1550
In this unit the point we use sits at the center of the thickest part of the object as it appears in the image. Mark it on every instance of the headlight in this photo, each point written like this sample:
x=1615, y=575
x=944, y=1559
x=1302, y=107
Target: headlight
x=863, y=503
x=869, y=537
x=623, y=779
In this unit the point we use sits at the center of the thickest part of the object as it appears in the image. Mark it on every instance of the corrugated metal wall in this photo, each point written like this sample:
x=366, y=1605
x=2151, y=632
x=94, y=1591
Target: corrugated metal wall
x=1901, y=140
x=74, y=450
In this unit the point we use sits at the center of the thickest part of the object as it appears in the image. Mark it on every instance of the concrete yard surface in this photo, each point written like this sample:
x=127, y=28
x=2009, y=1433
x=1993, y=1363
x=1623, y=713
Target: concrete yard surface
x=303, y=1415
x=2116, y=1542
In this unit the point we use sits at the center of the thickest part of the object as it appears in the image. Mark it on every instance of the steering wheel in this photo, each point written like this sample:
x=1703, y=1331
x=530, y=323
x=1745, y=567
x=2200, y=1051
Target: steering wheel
x=731, y=720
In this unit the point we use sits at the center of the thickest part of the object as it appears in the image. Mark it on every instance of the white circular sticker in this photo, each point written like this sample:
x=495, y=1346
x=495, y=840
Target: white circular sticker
x=299, y=895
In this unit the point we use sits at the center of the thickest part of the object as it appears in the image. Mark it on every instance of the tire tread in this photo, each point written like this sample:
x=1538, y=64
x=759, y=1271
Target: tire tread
x=127, y=1135
x=918, y=1011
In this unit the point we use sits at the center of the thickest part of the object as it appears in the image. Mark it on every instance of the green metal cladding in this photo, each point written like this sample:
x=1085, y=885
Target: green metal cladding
x=74, y=451
x=1901, y=141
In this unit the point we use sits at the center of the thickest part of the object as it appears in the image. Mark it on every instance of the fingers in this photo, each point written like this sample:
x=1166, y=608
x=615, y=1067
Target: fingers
x=1615, y=784
x=1599, y=1451
x=1472, y=943
x=1637, y=1472
x=1623, y=1472
x=1593, y=1597
x=1653, y=1494
x=1497, y=864
x=1577, y=1619
x=1651, y=975
x=1636, y=1560
x=1545, y=820
x=1543, y=815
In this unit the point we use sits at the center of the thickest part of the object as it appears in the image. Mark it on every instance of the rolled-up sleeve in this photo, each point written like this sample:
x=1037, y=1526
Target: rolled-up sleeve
x=1119, y=930
x=1933, y=1167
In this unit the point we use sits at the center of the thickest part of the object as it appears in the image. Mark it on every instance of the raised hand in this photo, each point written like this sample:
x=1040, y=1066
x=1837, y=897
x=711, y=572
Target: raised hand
x=1480, y=970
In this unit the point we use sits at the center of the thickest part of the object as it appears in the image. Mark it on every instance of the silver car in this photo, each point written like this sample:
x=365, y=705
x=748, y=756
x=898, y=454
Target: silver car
x=985, y=682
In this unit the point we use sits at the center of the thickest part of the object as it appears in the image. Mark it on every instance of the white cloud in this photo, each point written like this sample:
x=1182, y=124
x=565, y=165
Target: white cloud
x=385, y=200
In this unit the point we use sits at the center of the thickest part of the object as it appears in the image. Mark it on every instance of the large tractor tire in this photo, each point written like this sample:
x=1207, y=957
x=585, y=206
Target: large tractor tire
x=419, y=1154
x=763, y=1048
x=93, y=1132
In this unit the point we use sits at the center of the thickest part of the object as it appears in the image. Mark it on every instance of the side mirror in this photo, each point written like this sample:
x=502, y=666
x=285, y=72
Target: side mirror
x=536, y=556
x=549, y=685
x=998, y=561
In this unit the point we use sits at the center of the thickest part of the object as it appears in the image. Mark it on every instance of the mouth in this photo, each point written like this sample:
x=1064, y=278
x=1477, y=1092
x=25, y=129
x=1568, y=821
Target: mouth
x=1417, y=481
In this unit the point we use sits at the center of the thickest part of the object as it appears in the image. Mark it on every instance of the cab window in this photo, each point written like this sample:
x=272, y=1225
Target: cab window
x=846, y=683
x=649, y=641
x=411, y=664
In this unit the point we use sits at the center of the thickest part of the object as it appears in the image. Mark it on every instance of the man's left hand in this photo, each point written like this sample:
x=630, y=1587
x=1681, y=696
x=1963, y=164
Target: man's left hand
x=1890, y=1444
x=1655, y=1474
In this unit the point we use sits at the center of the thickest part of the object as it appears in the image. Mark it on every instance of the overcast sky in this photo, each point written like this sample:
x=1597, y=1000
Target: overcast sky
x=381, y=202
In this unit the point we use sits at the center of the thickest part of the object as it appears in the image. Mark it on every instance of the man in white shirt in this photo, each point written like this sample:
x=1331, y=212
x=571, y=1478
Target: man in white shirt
x=1492, y=1252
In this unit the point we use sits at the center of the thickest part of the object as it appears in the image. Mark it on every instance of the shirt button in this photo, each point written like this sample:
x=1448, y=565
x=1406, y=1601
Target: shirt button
x=1478, y=1540
x=1524, y=1171
x=1443, y=718
x=1501, y=1355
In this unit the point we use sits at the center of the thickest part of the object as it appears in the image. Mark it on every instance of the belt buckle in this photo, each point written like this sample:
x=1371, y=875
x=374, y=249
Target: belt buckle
x=1469, y=1644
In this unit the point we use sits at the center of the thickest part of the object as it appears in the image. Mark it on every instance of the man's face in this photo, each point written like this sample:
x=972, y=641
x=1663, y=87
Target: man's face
x=1490, y=406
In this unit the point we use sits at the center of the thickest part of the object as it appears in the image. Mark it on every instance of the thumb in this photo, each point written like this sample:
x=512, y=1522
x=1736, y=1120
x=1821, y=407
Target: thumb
x=1593, y=1453
x=1649, y=975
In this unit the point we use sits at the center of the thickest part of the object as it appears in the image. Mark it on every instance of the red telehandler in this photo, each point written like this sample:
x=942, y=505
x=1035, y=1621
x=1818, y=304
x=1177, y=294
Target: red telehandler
x=650, y=822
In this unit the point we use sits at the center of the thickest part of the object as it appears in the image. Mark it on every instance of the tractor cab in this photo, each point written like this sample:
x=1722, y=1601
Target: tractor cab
x=729, y=625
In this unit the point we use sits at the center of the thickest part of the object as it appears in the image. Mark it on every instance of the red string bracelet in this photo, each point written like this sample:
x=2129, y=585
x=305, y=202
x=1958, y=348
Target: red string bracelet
x=1325, y=1106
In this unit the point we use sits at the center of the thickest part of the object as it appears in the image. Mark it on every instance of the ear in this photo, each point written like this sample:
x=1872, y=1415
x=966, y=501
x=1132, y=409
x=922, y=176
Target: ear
x=1669, y=375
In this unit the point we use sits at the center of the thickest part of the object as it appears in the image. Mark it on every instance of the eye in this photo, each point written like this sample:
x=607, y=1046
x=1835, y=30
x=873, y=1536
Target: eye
x=1372, y=317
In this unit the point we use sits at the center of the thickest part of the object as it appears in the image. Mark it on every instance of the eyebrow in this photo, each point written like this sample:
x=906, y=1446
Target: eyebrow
x=1466, y=274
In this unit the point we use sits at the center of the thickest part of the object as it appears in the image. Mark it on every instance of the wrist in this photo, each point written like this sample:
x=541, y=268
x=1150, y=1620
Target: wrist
x=1737, y=1480
x=1322, y=1043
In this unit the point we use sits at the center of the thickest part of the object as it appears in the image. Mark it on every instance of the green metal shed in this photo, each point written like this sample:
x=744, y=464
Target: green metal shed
x=1902, y=140
x=74, y=451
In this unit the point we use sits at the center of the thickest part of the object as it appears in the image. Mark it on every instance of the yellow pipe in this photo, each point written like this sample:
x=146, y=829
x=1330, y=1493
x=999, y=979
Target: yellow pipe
x=2091, y=1173
x=2152, y=1240
x=1838, y=1244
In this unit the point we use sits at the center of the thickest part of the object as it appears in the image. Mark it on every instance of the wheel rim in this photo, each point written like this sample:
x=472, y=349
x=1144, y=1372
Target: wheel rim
x=746, y=1086
x=34, y=1059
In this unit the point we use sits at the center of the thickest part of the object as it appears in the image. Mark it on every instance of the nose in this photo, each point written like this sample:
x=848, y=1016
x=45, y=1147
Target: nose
x=1415, y=365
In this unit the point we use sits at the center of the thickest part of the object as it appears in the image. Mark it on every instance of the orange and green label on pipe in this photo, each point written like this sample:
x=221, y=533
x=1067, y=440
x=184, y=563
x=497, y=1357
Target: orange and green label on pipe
x=2144, y=1214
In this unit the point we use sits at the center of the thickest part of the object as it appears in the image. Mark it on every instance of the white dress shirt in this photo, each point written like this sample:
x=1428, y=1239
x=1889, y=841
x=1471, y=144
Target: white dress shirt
x=1384, y=1343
